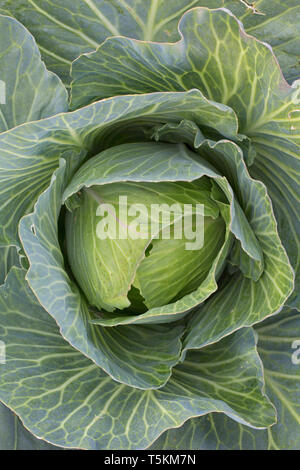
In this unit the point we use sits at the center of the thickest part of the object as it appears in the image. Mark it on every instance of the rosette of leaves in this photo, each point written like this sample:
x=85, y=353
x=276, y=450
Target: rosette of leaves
x=209, y=118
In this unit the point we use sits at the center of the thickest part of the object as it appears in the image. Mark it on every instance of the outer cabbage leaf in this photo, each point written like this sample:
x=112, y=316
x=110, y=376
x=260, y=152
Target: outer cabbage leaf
x=276, y=346
x=13, y=435
x=202, y=59
x=212, y=432
x=28, y=92
x=63, y=397
x=80, y=26
x=278, y=167
x=277, y=23
x=214, y=55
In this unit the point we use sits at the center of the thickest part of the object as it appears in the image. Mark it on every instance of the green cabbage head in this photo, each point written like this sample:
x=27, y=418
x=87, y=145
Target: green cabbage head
x=132, y=257
x=149, y=225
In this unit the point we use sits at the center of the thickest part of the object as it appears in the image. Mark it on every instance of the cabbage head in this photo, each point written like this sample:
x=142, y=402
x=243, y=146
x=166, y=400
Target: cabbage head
x=149, y=224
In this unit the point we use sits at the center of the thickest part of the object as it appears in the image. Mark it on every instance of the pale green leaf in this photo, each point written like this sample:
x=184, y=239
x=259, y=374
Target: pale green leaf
x=106, y=271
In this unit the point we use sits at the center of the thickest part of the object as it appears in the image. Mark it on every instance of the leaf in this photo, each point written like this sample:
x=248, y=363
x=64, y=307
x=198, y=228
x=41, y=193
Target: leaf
x=13, y=435
x=279, y=340
x=184, y=270
x=278, y=166
x=277, y=24
x=52, y=387
x=214, y=431
x=28, y=91
x=214, y=55
x=80, y=26
x=276, y=346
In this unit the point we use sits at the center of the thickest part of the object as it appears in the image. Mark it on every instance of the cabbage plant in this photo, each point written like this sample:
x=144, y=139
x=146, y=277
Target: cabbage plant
x=118, y=342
